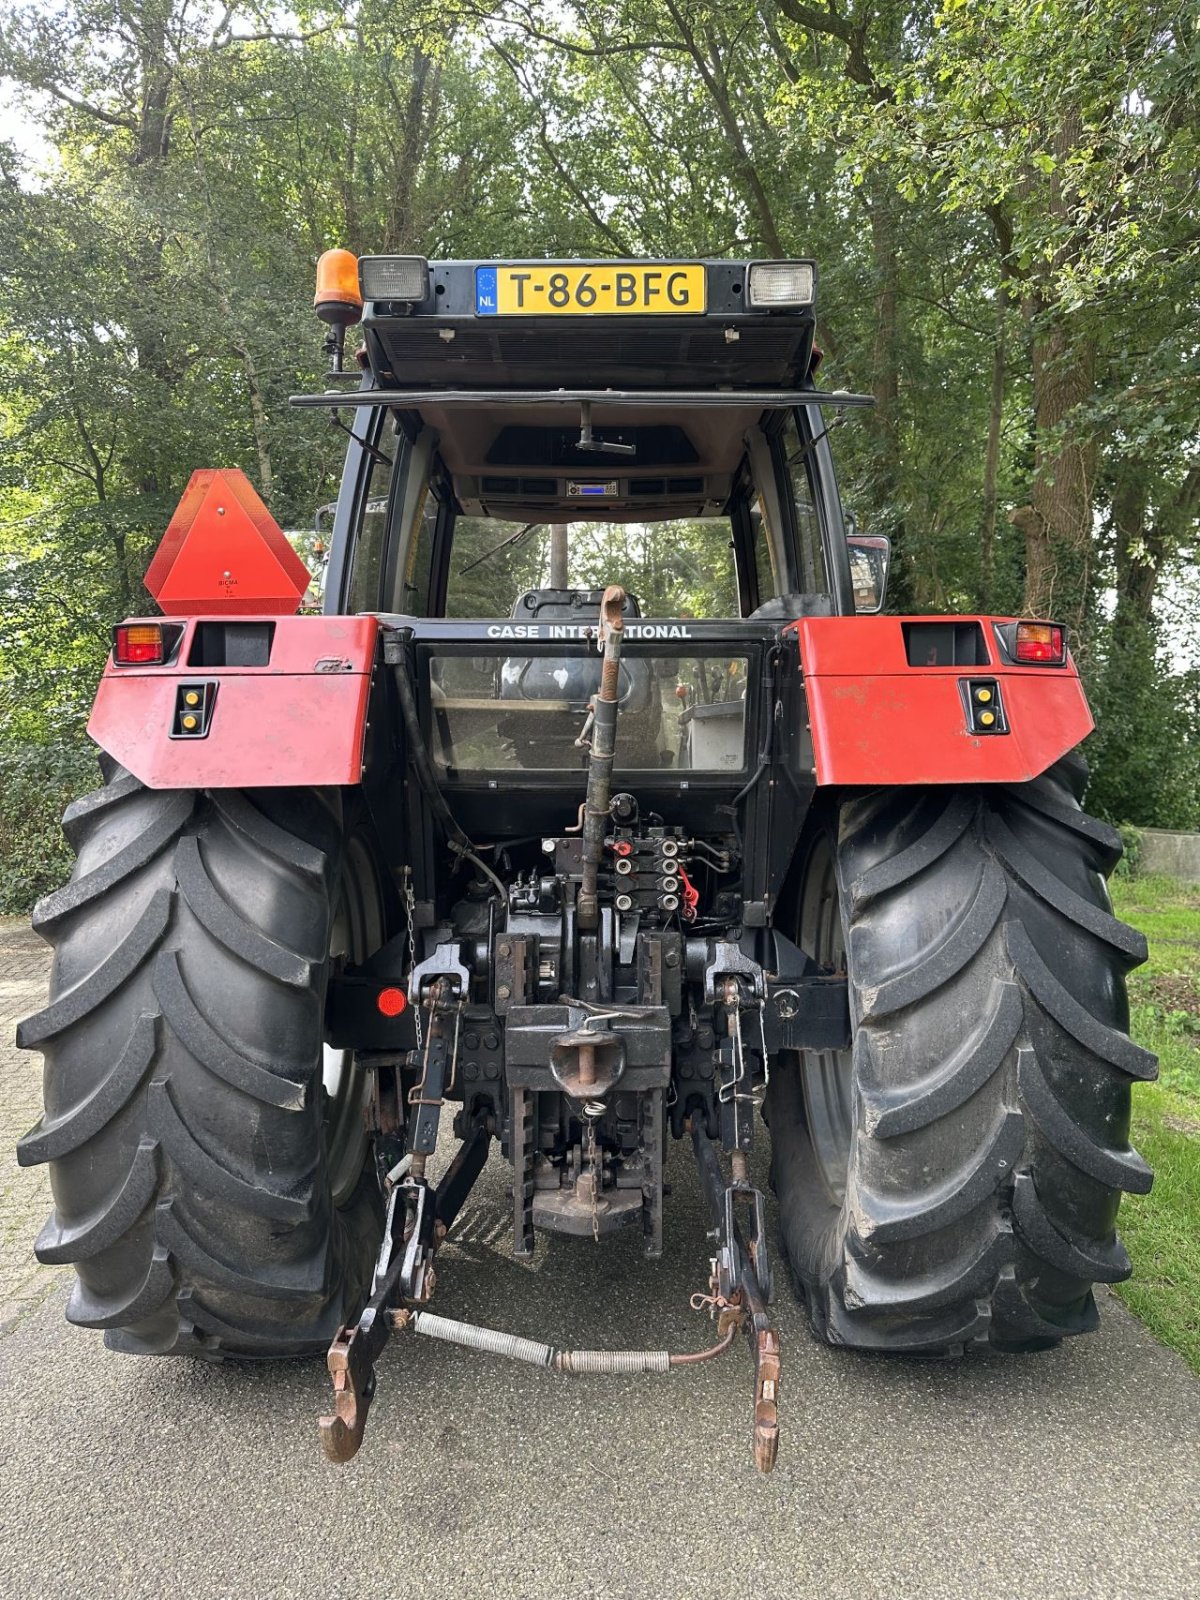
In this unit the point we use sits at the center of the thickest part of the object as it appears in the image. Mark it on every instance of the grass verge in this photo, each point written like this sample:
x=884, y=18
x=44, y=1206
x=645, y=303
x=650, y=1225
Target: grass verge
x=1162, y=1229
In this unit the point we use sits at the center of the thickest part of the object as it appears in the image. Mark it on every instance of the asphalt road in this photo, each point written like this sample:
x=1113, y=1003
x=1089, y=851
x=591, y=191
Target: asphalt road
x=1071, y=1473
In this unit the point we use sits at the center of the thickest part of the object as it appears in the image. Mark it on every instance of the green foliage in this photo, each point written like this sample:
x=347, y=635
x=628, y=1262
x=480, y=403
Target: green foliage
x=1162, y=1229
x=37, y=783
x=1001, y=200
x=1145, y=752
x=1131, y=844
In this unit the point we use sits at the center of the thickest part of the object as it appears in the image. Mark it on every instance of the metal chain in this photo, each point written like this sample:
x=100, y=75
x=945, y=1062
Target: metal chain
x=410, y=906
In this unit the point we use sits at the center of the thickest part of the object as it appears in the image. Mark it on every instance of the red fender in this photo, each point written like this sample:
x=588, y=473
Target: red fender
x=298, y=721
x=877, y=720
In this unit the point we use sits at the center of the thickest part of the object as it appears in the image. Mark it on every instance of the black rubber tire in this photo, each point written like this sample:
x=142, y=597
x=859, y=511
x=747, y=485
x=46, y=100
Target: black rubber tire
x=184, y=1120
x=987, y=1125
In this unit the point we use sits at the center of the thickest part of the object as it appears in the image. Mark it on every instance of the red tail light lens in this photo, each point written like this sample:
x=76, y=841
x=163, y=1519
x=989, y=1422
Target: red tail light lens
x=391, y=1002
x=1041, y=643
x=139, y=644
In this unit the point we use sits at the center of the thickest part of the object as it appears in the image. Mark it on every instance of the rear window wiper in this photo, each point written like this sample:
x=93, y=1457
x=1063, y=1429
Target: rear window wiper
x=513, y=538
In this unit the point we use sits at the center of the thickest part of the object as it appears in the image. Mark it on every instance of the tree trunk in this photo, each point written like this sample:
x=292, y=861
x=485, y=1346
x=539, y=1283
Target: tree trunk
x=710, y=67
x=1137, y=569
x=991, y=460
x=1058, y=534
x=1147, y=536
x=258, y=417
x=886, y=486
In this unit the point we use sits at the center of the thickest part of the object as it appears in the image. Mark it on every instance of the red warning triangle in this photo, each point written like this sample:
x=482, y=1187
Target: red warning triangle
x=224, y=552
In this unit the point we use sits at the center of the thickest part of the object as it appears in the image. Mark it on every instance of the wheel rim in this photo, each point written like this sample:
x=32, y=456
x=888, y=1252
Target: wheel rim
x=826, y=1075
x=355, y=933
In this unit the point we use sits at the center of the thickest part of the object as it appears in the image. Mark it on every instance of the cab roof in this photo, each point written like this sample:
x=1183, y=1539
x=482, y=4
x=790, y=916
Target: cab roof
x=443, y=339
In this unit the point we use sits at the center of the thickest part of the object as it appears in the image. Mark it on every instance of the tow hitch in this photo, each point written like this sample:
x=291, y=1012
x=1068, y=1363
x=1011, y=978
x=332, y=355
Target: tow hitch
x=418, y=1221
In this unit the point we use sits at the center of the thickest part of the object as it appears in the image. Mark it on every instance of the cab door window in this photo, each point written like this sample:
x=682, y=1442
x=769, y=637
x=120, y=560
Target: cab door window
x=798, y=472
x=366, y=576
x=416, y=582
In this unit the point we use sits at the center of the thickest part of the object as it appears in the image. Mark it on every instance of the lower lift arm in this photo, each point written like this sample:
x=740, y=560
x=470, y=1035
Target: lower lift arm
x=419, y=1219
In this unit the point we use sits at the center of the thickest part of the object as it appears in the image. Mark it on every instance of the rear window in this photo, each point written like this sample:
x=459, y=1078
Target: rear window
x=492, y=713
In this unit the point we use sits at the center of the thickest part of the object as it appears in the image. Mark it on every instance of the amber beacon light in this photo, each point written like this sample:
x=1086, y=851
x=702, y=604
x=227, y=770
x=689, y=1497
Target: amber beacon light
x=338, y=297
x=338, y=300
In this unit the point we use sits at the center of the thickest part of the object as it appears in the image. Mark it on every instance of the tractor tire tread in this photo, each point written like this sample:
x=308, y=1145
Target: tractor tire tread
x=183, y=1122
x=992, y=1070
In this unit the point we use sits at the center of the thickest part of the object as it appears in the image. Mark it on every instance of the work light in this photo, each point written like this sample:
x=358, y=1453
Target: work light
x=772, y=284
x=393, y=277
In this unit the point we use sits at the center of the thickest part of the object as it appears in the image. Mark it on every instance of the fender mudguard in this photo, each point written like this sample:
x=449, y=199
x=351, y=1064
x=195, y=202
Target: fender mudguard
x=298, y=720
x=878, y=719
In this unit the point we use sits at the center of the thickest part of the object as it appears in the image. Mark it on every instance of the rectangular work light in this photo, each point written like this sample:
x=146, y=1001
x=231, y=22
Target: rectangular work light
x=778, y=284
x=393, y=277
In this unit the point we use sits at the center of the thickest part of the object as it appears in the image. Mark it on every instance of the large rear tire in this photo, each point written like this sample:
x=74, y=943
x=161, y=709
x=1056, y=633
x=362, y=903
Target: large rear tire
x=953, y=1180
x=199, y=1167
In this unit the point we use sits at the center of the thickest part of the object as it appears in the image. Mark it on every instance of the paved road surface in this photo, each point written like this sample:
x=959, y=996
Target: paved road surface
x=1074, y=1473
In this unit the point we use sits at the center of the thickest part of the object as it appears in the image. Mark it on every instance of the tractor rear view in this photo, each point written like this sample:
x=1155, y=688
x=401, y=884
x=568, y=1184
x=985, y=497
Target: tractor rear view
x=601, y=807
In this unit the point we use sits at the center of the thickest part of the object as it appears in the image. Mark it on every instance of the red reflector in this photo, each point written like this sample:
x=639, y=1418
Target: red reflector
x=391, y=1002
x=138, y=644
x=1040, y=642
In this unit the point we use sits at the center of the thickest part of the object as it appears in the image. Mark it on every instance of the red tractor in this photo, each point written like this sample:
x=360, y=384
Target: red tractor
x=600, y=807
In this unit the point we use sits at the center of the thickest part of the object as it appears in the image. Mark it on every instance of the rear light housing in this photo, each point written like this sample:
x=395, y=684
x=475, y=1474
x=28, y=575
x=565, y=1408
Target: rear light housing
x=144, y=644
x=1034, y=644
x=1040, y=644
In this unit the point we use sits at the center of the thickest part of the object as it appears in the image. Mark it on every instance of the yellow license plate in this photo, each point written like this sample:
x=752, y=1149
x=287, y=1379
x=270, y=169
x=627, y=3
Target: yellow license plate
x=606, y=289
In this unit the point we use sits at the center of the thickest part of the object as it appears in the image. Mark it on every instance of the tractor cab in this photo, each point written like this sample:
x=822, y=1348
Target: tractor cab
x=674, y=430
x=534, y=432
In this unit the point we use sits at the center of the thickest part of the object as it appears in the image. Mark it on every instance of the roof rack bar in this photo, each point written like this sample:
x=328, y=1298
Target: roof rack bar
x=768, y=399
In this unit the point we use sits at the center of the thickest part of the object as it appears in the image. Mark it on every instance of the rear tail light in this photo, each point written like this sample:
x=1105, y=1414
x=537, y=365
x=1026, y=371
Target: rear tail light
x=1040, y=644
x=144, y=644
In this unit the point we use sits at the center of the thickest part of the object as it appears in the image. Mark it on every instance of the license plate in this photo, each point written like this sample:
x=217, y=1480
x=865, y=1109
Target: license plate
x=604, y=289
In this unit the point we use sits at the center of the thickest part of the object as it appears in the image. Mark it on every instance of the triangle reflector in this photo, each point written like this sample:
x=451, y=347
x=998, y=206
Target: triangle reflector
x=224, y=552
